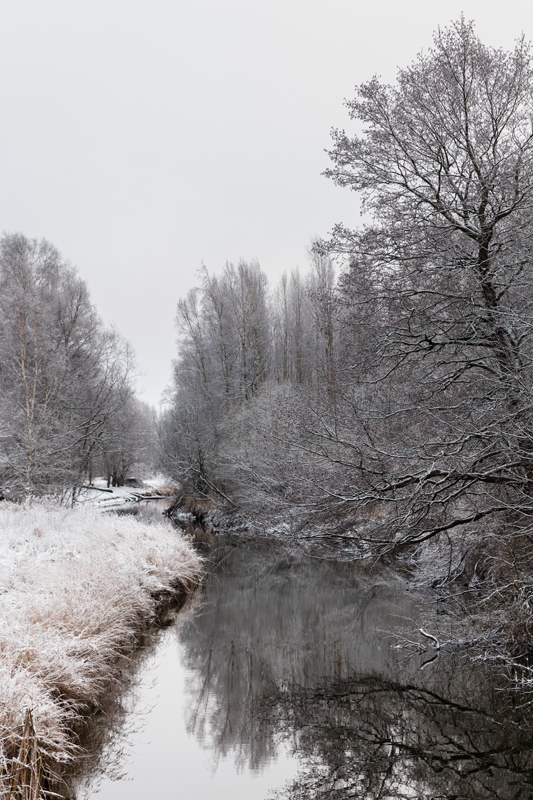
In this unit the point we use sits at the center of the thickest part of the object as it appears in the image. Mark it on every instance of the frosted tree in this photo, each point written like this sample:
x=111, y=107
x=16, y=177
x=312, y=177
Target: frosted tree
x=437, y=294
x=243, y=352
x=62, y=375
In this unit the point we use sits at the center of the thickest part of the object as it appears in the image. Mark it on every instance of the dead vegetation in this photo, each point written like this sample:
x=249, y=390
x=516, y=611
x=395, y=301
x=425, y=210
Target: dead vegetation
x=77, y=590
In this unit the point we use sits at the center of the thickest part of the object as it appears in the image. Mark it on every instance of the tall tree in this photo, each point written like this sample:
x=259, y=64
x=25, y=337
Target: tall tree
x=437, y=295
x=63, y=376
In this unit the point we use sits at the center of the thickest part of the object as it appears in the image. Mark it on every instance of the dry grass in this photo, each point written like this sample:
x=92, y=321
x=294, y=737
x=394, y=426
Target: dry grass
x=76, y=591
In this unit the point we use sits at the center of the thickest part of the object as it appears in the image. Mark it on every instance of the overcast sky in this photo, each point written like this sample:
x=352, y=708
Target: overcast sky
x=144, y=137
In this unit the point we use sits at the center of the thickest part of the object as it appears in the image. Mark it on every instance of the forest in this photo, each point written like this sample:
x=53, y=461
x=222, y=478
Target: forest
x=68, y=409
x=379, y=406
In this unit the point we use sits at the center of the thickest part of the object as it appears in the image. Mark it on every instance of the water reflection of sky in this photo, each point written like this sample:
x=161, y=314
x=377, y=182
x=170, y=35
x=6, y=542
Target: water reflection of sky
x=165, y=760
x=281, y=655
x=265, y=620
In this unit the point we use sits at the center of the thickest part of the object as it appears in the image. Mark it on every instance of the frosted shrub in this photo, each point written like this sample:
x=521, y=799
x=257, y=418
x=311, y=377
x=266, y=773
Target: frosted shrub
x=76, y=589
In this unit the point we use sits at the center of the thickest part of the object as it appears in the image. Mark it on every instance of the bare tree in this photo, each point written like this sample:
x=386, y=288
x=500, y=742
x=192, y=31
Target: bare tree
x=63, y=376
x=224, y=341
x=437, y=295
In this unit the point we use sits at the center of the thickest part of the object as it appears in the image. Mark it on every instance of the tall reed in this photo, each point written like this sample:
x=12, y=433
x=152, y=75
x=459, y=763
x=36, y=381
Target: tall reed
x=77, y=590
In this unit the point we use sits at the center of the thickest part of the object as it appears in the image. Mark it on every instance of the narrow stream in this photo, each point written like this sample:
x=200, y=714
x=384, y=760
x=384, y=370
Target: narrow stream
x=285, y=674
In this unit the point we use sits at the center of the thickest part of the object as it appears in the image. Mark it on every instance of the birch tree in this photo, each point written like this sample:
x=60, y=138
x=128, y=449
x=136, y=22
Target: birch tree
x=62, y=374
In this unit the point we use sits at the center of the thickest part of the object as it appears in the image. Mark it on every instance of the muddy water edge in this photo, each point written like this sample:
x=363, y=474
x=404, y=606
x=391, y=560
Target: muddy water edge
x=290, y=675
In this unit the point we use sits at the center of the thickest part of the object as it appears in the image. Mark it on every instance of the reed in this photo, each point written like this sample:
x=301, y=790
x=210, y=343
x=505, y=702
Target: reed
x=26, y=777
x=77, y=591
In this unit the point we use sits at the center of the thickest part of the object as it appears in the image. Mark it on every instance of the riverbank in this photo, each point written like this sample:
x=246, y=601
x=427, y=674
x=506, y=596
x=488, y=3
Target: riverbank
x=294, y=669
x=77, y=590
x=99, y=495
x=475, y=588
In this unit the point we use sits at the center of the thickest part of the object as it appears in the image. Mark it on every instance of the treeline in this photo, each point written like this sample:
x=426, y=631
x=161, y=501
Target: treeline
x=393, y=406
x=245, y=348
x=68, y=411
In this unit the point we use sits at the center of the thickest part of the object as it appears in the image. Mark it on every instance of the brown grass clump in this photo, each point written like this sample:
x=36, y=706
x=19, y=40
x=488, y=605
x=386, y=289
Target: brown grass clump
x=77, y=589
x=26, y=776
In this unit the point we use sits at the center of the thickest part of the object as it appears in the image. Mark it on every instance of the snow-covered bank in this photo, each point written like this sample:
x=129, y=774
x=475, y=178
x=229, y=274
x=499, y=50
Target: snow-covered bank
x=99, y=495
x=76, y=589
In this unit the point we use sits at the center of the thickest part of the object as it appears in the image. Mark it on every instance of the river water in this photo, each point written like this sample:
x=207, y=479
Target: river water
x=290, y=674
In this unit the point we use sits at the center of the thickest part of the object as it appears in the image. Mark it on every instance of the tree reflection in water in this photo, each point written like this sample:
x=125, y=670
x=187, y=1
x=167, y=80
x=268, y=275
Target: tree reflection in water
x=296, y=649
x=374, y=738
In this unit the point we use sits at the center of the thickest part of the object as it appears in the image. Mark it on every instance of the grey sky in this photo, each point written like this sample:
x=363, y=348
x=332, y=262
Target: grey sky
x=143, y=138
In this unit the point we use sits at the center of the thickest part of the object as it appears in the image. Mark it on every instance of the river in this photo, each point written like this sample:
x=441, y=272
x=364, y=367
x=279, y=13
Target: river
x=290, y=674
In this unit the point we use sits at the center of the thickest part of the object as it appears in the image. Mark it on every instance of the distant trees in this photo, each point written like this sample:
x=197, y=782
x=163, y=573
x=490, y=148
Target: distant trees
x=64, y=379
x=303, y=332
x=238, y=340
x=127, y=442
x=224, y=338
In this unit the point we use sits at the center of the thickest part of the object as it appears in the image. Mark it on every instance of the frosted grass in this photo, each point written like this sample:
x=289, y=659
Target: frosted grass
x=77, y=588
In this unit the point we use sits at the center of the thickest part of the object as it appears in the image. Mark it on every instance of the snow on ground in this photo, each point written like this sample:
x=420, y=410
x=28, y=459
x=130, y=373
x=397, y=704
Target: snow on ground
x=76, y=587
x=98, y=493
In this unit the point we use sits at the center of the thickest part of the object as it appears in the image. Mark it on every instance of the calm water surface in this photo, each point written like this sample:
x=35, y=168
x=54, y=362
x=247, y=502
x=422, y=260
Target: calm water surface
x=285, y=674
